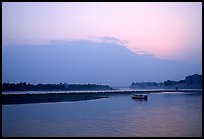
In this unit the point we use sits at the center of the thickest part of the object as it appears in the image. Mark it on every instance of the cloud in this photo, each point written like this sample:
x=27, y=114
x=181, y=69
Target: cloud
x=108, y=39
x=85, y=61
x=112, y=40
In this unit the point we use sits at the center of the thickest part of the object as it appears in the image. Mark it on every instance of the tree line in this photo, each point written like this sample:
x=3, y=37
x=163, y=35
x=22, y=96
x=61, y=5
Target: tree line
x=22, y=86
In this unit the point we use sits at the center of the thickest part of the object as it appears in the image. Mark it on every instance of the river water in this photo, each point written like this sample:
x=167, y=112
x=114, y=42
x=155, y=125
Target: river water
x=168, y=114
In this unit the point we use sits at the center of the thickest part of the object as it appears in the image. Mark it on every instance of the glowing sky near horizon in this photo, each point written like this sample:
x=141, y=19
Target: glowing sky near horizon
x=165, y=30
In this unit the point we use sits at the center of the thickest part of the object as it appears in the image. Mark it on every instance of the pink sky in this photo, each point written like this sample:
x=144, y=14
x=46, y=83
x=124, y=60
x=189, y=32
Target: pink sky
x=165, y=30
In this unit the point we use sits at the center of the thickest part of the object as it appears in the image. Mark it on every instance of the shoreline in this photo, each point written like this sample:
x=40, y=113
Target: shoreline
x=9, y=99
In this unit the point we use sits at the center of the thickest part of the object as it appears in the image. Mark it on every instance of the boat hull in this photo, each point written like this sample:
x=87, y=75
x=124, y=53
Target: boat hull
x=139, y=97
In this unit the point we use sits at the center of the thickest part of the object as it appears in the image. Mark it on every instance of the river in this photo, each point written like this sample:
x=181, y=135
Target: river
x=167, y=114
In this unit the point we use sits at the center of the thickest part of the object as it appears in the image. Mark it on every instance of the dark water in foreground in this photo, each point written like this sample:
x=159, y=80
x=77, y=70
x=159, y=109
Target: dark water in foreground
x=164, y=114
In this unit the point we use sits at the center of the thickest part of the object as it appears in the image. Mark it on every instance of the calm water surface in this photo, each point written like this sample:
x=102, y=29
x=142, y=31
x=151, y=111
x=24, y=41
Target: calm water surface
x=164, y=114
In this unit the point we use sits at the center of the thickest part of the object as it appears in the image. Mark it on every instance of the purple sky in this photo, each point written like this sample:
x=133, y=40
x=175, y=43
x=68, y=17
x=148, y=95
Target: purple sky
x=168, y=31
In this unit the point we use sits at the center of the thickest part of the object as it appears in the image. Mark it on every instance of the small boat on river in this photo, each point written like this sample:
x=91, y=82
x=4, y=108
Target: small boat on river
x=139, y=96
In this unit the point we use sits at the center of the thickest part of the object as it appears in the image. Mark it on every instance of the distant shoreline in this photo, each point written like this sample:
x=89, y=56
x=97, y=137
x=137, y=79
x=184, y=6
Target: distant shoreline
x=9, y=99
x=23, y=86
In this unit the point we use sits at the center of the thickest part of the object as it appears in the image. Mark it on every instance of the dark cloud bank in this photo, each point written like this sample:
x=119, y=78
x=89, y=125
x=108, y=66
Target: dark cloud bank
x=84, y=61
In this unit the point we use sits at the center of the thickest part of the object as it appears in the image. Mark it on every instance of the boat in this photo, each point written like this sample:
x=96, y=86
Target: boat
x=139, y=96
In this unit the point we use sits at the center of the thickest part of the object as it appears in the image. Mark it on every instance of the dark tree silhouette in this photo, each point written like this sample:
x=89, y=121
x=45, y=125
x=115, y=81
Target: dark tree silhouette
x=52, y=87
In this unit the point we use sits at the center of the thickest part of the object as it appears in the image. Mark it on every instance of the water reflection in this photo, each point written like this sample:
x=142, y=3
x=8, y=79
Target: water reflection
x=140, y=100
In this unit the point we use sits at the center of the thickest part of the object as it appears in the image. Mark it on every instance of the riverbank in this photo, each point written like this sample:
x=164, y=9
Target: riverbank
x=81, y=96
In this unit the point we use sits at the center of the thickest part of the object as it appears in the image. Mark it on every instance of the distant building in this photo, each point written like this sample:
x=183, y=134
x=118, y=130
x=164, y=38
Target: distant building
x=194, y=81
x=190, y=82
x=146, y=85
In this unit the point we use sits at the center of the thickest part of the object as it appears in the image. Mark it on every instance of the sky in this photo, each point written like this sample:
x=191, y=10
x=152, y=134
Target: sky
x=163, y=31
